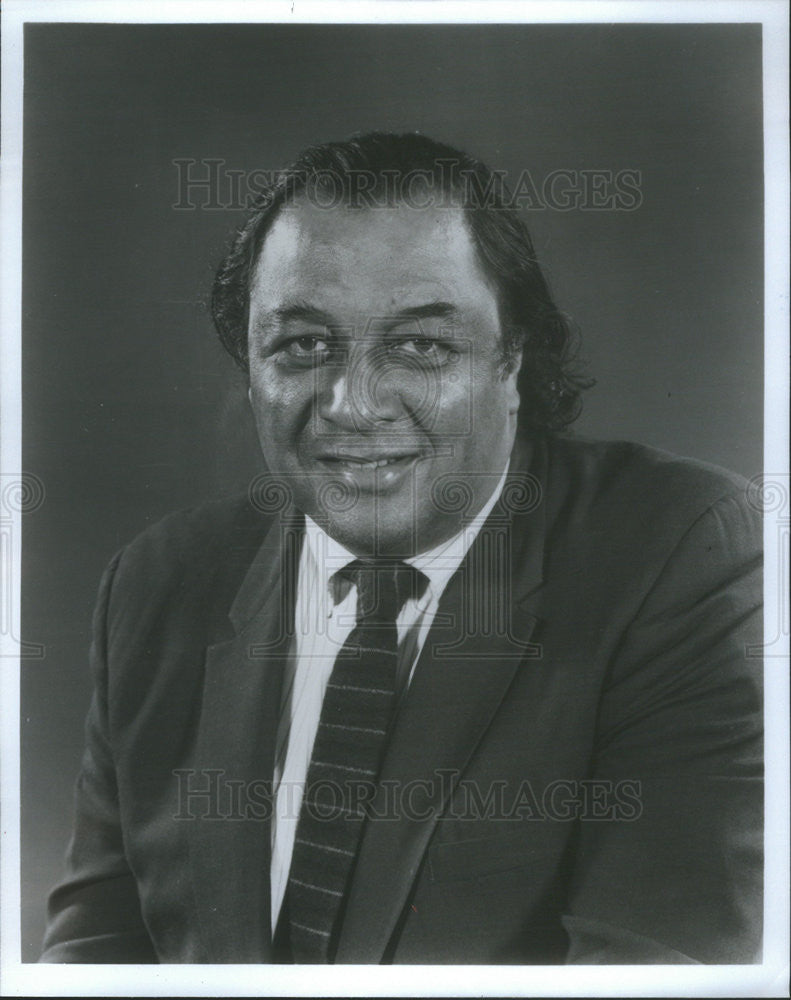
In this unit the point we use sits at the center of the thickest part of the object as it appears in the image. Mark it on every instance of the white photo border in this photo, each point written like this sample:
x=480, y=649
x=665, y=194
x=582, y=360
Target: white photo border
x=767, y=979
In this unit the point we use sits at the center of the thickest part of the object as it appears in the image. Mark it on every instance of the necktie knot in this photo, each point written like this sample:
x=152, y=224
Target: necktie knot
x=383, y=587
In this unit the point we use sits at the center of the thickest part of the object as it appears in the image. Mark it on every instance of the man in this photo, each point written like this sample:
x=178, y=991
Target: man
x=450, y=685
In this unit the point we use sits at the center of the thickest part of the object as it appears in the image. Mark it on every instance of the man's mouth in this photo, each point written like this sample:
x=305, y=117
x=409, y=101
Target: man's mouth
x=371, y=470
x=359, y=462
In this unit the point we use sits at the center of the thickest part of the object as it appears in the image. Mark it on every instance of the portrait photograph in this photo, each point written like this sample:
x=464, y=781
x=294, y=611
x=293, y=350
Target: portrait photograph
x=395, y=499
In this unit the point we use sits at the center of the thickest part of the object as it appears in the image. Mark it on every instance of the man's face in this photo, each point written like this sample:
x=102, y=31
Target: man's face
x=376, y=375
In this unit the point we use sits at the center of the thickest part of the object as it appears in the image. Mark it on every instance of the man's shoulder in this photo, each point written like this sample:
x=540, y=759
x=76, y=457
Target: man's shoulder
x=621, y=515
x=637, y=477
x=605, y=497
x=217, y=523
x=204, y=547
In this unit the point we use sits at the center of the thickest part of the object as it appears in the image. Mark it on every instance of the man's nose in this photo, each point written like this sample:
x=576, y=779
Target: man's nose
x=361, y=390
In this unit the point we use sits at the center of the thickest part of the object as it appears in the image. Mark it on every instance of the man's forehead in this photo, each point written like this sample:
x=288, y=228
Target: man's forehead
x=308, y=212
x=404, y=256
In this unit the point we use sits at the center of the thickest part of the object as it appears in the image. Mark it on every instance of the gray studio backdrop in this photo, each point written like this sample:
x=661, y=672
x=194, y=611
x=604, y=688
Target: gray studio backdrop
x=131, y=409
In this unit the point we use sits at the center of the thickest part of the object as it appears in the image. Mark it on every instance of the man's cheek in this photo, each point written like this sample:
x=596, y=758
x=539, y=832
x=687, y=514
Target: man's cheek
x=277, y=401
x=267, y=390
x=451, y=412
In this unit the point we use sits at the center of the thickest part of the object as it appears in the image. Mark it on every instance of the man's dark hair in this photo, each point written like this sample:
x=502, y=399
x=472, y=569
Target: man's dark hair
x=383, y=169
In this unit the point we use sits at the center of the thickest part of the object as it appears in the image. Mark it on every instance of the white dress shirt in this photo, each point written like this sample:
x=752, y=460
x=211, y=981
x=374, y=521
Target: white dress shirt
x=323, y=619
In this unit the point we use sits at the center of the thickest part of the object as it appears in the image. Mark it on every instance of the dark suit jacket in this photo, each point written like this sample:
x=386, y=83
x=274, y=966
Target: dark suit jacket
x=576, y=768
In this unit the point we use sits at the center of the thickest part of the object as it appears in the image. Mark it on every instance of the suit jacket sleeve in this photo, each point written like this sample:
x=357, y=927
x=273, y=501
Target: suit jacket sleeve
x=94, y=914
x=678, y=877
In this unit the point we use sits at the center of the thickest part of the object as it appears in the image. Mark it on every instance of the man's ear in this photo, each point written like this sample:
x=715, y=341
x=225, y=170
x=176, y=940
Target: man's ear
x=511, y=376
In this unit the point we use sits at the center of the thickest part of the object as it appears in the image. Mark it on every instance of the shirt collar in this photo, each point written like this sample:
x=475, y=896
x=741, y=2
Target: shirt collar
x=438, y=564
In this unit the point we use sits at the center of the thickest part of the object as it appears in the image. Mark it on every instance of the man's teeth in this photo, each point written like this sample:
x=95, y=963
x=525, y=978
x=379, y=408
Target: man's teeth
x=377, y=464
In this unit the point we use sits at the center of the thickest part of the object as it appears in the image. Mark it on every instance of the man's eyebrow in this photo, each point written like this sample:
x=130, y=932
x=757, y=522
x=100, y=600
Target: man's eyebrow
x=305, y=312
x=429, y=310
x=302, y=311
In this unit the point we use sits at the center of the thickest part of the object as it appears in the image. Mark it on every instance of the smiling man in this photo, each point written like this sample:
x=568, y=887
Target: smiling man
x=450, y=685
x=376, y=359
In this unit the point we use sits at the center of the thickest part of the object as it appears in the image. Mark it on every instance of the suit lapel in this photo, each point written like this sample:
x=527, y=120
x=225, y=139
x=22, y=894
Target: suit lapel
x=230, y=843
x=480, y=638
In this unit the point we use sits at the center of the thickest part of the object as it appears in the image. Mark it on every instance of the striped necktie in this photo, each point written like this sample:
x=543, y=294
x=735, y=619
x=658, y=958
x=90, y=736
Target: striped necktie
x=347, y=752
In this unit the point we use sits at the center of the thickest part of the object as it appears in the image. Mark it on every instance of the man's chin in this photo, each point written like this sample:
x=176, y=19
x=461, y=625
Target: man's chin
x=381, y=536
x=371, y=539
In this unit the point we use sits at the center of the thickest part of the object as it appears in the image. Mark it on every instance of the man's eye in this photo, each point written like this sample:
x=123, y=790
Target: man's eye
x=306, y=349
x=424, y=347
